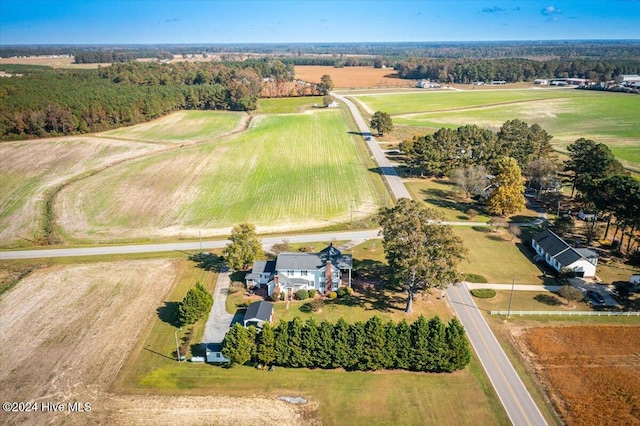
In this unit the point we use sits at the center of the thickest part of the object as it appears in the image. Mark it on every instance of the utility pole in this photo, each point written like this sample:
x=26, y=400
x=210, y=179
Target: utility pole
x=351, y=220
x=513, y=282
x=175, y=334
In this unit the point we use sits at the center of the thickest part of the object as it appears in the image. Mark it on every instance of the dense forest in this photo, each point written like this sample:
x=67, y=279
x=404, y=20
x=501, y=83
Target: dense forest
x=513, y=69
x=49, y=102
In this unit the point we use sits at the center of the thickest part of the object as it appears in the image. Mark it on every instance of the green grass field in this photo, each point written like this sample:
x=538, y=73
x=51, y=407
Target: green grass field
x=287, y=105
x=182, y=126
x=566, y=114
x=284, y=172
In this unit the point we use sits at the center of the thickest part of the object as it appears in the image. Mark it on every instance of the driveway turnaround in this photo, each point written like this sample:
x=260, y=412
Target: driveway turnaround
x=514, y=396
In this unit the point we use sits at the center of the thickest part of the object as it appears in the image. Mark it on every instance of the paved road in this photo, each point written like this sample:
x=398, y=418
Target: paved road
x=206, y=245
x=514, y=396
x=384, y=165
x=219, y=320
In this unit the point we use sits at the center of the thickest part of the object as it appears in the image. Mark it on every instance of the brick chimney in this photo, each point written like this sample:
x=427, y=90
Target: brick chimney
x=328, y=279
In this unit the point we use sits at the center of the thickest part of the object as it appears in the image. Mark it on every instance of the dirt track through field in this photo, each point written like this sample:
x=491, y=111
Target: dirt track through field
x=66, y=331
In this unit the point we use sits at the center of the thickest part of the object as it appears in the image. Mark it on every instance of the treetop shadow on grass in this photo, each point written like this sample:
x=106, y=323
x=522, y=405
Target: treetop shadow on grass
x=547, y=299
x=447, y=200
x=209, y=262
x=169, y=313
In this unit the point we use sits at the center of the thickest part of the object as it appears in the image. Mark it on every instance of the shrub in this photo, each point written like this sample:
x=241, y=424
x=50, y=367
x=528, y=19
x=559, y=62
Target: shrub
x=344, y=292
x=475, y=278
x=472, y=213
x=282, y=296
x=484, y=293
x=571, y=293
x=333, y=295
x=307, y=249
x=312, y=293
x=313, y=306
x=302, y=294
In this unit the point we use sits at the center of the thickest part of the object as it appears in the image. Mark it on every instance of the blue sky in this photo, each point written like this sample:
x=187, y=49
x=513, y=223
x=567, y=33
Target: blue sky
x=192, y=21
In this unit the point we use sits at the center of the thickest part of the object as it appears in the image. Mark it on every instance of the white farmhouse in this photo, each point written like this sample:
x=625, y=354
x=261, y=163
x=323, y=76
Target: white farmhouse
x=290, y=272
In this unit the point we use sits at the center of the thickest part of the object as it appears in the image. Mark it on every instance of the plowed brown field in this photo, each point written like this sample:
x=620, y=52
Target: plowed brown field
x=353, y=77
x=65, y=332
x=591, y=373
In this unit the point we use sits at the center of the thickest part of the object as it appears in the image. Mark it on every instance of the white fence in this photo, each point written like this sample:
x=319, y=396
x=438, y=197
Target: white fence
x=570, y=313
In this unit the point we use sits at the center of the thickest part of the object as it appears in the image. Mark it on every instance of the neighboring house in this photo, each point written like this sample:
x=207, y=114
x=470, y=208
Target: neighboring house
x=426, y=84
x=560, y=255
x=541, y=81
x=321, y=271
x=258, y=313
x=333, y=104
x=213, y=353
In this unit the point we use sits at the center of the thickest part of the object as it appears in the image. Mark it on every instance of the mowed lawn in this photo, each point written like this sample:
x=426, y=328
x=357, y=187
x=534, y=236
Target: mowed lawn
x=182, y=127
x=285, y=172
x=566, y=114
x=287, y=105
x=494, y=256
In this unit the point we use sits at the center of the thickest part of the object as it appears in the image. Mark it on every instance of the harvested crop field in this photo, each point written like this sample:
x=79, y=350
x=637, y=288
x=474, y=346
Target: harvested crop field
x=591, y=373
x=66, y=332
x=28, y=169
x=353, y=77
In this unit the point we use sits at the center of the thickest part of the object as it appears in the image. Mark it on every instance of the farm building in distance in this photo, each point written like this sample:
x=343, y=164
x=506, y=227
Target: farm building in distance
x=426, y=84
x=291, y=272
x=561, y=256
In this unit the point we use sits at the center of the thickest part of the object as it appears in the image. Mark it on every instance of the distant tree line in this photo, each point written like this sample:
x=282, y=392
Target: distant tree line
x=620, y=49
x=96, y=57
x=512, y=70
x=61, y=102
x=425, y=345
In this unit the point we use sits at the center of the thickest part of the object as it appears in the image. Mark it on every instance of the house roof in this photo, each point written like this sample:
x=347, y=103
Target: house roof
x=310, y=261
x=267, y=266
x=558, y=248
x=260, y=310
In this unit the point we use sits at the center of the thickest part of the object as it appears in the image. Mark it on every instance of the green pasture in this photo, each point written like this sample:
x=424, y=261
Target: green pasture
x=303, y=168
x=566, y=114
x=287, y=105
x=494, y=256
x=182, y=126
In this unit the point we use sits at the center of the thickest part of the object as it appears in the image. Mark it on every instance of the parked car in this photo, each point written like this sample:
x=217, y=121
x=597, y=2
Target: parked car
x=595, y=296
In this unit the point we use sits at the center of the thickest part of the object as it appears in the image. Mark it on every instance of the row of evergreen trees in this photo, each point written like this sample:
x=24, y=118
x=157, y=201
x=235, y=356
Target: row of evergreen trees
x=425, y=345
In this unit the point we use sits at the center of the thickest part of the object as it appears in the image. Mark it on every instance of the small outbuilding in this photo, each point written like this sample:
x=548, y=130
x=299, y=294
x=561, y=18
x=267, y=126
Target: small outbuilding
x=213, y=354
x=258, y=313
